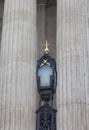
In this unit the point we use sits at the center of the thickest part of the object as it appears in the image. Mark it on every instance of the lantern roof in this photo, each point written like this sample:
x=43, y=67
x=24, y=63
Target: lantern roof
x=46, y=59
x=46, y=50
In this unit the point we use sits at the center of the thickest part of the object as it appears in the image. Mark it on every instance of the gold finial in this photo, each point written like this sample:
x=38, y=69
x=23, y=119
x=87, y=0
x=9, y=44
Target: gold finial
x=46, y=50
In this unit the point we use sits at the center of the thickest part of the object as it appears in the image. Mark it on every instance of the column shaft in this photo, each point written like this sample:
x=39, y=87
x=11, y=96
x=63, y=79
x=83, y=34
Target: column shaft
x=18, y=54
x=72, y=65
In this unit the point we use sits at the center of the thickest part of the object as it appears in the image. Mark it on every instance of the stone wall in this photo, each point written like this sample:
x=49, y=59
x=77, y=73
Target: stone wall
x=51, y=28
x=1, y=18
x=46, y=22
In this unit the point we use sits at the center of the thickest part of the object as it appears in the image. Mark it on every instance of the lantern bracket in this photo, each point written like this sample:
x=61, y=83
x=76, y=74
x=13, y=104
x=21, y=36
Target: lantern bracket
x=46, y=118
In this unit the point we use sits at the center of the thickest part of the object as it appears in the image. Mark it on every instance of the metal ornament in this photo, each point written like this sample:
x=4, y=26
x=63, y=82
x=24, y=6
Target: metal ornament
x=46, y=118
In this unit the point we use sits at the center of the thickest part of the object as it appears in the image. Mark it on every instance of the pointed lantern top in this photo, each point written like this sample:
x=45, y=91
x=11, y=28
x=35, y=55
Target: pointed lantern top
x=46, y=50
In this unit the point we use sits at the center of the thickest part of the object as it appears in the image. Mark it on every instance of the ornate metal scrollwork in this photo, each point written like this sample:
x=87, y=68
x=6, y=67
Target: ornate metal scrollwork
x=46, y=118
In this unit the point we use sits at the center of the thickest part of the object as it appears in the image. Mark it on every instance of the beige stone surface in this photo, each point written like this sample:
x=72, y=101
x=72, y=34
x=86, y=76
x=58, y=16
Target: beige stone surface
x=73, y=64
x=1, y=19
x=41, y=24
x=51, y=28
x=18, y=53
x=46, y=27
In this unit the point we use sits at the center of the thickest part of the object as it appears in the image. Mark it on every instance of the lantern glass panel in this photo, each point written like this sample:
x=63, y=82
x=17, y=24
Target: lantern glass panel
x=44, y=73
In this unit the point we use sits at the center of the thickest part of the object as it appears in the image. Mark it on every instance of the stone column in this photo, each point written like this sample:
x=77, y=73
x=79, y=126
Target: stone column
x=1, y=17
x=18, y=53
x=40, y=26
x=73, y=64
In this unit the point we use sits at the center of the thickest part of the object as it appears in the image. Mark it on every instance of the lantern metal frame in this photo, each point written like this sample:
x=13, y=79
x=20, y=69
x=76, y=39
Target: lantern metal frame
x=46, y=91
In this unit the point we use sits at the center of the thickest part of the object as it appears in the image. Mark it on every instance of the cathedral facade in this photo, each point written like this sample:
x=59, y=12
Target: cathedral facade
x=24, y=26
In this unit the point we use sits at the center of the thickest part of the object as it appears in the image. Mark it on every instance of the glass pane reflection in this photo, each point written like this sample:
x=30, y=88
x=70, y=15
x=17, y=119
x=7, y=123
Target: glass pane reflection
x=44, y=73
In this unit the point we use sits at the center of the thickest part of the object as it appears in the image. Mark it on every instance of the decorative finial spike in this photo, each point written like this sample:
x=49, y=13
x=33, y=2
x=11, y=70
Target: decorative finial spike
x=46, y=50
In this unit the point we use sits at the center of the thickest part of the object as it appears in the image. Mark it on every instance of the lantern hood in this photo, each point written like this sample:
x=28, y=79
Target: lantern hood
x=46, y=59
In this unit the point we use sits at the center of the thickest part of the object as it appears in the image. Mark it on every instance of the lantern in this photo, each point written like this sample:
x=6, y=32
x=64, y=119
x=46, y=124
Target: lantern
x=46, y=75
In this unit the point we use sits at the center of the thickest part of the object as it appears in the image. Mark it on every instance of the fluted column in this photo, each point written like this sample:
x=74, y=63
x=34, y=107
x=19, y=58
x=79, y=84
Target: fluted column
x=18, y=53
x=73, y=64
